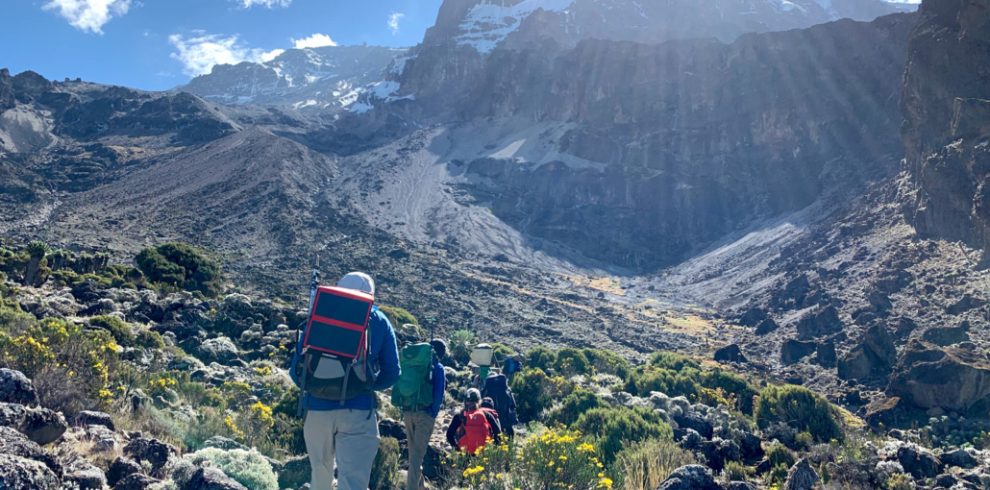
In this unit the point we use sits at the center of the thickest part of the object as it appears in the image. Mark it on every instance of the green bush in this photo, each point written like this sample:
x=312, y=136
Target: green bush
x=398, y=316
x=617, y=427
x=541, y=358
x=608, y=362
x=778, y=454
x=460, y=345
x=249, y=468
x=735, y=471
x=574, y=405
x=385, y=471
x=667, y=381
x=570, y=362
x=118, y=328
x=672, y=361
x=799, y=408
x=644, y=466
x=180, y=266
x=530, y=388
x=149, y=339
x=741, y=391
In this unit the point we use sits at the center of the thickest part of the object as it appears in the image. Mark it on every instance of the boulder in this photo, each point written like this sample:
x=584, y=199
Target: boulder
x=86, y=477
x=690, y=477
x=220, y=349
x=946, y=480
x=825, y=355
x=730, y=353
x=153, y=451
x=801, y=476
x=691, y=420
x=873, y=358
x=211, y=479
x=753, y=317
x=960, y=458
x=120, y=469
x=137, y=481
x=740, y=485
x=295, y=472
x=38, y=424
x=918, y=462
x=392, y=428
x=792, y=351
x=224, y=443
x=89, y=417
x=766, y=326
x=21, y=473
x=719, y=451
x=16, y=444
x=15, y=387
x=947, y=336
x=823, y=321
x=949, y=378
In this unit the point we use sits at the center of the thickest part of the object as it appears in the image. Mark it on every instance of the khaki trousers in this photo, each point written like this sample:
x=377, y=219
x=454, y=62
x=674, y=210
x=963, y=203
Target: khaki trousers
x=419, y=428
x=347, y=438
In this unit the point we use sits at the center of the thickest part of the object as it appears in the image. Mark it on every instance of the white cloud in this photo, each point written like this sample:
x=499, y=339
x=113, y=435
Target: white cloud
x=199, y=54
x=314, y=41
x=89, y=15
x=264, y=3
x=393, y=21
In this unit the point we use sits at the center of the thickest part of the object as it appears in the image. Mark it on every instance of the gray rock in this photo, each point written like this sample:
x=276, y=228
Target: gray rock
x=18, y=473
x=766, y=326
x=822, y=322
x=87, y=477
x=16, y=444
x=960, y=458
x=221, y=442
x=211, y=479
x=296, y=471
x=740, y=485
x=730, y=353
x=220, y=349
x=15, y=387
x=88, y=417
x=690, y=477
x=801, y=476
x=41, y=425
x=120, y=469
x=918, y=461
x=792, y=351
x=136, y=481
x=151, y=450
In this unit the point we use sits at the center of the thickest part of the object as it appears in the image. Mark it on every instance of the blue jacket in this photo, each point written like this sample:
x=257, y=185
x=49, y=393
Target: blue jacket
x=383, y=359
x=439, y=388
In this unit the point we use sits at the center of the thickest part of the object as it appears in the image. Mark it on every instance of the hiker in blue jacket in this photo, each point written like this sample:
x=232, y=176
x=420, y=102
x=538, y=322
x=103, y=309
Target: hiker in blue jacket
x=345, y=432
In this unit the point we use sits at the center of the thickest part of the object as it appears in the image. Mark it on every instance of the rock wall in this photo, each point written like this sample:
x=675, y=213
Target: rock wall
x=946, y=104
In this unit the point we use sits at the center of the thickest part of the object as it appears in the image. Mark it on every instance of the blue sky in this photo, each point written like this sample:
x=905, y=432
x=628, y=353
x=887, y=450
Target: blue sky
x=158, y=44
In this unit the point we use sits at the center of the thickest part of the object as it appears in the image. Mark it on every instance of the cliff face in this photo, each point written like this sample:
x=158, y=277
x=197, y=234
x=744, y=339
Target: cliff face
x=678, y=144
x=946, y=104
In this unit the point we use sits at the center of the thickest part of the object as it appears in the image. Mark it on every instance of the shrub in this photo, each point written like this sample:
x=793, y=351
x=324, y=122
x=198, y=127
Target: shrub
x=666, y=381
x=607, y=362
x=398, y=316
x=461, y=343
x=740, y=389
x=560, y=460
x=646, y=465
x=70, y=366
x=249, y=468
x=777, y=454
x=541, y=358
x=180, y=266
x=574, y=405
x=799, y=408
x=617, y=427
x=735, y=471
x=530, y=388
x=672, y=361
x=385, y=471
x=899, y=481
x=570, y=362
x=118, y=328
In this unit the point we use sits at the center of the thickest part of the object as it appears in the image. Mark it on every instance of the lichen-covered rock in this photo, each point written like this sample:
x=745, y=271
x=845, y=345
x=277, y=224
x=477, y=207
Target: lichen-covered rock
x=16, y=444
x=21, y=473
x=137, y=481
x=219, y=349
x=211, y=479
x=120, y=469
x=15, y=387
x=918, y=461
x=950, y=378
x=155, y=452
x=801, y=476
x=86, y=477
x=690, y=477
x=960, y=458
x=821, y=322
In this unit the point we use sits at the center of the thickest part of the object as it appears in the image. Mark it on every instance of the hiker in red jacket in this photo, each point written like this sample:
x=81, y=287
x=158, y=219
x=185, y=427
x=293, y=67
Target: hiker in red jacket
x=475, y=426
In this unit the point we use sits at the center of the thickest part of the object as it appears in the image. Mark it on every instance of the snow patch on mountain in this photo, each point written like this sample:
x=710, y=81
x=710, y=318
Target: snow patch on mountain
x=488, y=24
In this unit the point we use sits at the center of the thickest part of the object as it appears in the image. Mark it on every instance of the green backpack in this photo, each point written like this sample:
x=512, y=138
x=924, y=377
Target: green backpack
x=414, y=390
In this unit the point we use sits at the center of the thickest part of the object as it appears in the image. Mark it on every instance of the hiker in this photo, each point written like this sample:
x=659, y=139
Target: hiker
x=419, y=394
x=472, y=429
x=343, y=430
x=497, y=388
x=510, y=367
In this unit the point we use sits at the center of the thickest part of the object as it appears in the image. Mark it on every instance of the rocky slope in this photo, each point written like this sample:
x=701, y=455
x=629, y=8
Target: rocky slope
x=313, y=79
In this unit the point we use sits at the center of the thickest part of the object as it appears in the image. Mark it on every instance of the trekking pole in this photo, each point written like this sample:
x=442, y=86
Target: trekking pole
x=314, y=284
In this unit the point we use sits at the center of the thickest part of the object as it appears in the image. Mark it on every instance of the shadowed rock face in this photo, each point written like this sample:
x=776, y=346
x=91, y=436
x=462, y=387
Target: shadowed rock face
x=947, y=106
x=687, y=140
